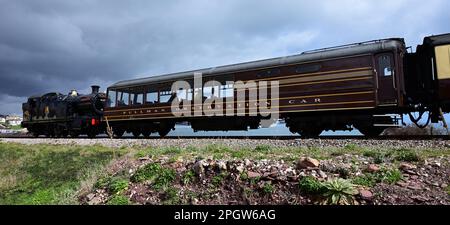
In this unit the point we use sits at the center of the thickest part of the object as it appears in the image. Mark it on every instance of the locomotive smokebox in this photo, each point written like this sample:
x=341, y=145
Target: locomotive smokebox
x=95, y=89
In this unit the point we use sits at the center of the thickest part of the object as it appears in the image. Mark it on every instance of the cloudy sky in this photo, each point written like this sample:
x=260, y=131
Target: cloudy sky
x=61, y=45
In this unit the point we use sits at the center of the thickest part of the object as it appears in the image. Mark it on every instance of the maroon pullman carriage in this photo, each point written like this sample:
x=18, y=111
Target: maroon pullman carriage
x=367, y=86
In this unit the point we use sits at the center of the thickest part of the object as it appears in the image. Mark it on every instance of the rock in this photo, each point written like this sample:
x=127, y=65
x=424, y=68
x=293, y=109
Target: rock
x=95, y=201
x=307, y=162
x=444, y=185
x=402, y=184
x=322, y=174
x=366, y=195
x=222, y=165
x=240, y=168
x=247, y=162
x=253, y=175
x=90, y=196
x=198, y=168
x=372, y=168
x=420, y=199
x=415, y=187
x=145, y=158
x=206, y=164
x=270, y=174
x=406, y=166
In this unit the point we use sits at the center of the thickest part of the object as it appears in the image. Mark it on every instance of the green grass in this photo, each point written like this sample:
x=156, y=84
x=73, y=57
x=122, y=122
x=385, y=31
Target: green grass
x=407, y=155
x=268, y=189
x=118, y=185
x=389, y=176
x=118, y=200
x=217, y=180
x=188, y=177
x=310, y=185
x=157, y=175
x=171, y=196
x=47, y=174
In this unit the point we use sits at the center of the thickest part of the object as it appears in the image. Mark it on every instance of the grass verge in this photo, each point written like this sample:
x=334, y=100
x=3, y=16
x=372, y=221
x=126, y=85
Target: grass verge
x=49, y=174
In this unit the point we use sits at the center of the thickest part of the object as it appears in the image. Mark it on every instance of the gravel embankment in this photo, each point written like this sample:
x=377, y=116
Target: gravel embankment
x=238, y=143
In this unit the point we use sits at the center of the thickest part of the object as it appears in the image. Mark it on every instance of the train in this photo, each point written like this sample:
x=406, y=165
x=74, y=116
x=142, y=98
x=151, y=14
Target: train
x=58, y=115
x=368, y=86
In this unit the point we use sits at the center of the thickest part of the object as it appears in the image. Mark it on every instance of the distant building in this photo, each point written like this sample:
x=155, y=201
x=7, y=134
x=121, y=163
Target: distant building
x=13, y=120
x=2, y=119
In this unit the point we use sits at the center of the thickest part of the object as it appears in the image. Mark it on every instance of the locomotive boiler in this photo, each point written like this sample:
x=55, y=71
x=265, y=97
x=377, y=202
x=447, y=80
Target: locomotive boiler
x=58, y=115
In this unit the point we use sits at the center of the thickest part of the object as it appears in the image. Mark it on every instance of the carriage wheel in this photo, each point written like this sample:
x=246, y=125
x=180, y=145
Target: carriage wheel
x=371, y=131
x=146, y=133
x=118, y=133
x=136, y=134
x=311, y=133
x=164, y=132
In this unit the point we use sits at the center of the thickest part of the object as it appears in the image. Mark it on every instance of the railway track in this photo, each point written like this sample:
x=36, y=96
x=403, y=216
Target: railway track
x=327, y=137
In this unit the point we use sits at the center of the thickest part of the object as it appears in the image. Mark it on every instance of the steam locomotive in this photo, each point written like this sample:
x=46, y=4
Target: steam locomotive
x=58, y=115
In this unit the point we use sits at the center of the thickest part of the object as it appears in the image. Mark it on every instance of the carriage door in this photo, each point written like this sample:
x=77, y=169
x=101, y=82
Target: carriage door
x=386, y=80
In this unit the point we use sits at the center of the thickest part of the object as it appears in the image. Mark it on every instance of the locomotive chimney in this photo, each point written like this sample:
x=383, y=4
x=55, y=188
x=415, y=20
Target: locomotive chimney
x=95, y=89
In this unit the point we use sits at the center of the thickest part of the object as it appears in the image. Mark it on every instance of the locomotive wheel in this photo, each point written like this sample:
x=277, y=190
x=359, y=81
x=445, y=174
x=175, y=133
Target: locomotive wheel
x=91, y=134
x=136, y=134
x=35, y=134
x=74, y=134
x=57, y=132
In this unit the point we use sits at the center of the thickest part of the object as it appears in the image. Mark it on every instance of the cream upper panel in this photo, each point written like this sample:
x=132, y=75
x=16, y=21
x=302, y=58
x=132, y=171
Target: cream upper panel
x=443, y=61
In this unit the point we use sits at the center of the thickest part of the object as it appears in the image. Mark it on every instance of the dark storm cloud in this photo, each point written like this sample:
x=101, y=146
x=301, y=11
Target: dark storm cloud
x=59, y=45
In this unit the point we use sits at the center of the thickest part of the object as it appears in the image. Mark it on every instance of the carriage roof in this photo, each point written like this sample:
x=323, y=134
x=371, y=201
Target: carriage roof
x=315, y=55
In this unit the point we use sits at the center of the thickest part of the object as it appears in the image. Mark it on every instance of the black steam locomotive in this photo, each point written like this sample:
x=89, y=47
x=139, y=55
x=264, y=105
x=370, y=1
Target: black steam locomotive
x=58, y=115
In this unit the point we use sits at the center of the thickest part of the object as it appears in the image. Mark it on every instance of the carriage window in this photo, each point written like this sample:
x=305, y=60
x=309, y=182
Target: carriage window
x=136, y=99
x=123, y=98
x=151, y=98
x=308, y=68
x=268, y=73
x=164, y=96
x=227, y=91
x=112, y=99
x=384, y=64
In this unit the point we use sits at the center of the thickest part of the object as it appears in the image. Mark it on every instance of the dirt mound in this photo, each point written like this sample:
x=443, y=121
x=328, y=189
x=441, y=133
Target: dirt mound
x=346, y=179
